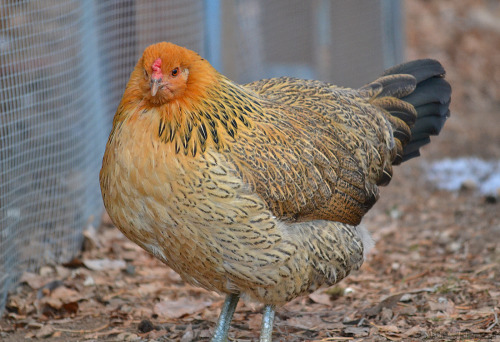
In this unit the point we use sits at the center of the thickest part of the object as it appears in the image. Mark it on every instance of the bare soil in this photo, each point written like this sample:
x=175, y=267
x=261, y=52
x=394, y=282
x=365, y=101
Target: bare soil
x=433, y=275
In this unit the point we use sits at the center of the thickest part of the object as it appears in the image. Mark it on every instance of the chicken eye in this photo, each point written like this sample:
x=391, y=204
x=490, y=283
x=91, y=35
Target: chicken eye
x=175, y=72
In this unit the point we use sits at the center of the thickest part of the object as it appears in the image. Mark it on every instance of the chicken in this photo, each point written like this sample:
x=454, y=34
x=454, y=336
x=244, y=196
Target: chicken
x=258, y=190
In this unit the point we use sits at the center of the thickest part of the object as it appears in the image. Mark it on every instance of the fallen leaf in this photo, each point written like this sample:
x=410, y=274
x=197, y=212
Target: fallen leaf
x=63, y=272
x=157, y=334
x=485, y=268
x=180, y=307
x=150, y=288
x=444, y=305
x=407, y=310
x=308, y=322
x=34, y=325
x=357, y=331
x=388, y=328
x=66, y=295
x=320, y=298
x=33, y=280
x=188, y=335
x=46, y=271
x=49, y=288
x=71, y=307
x=127, y=336
x=413, y=331
x=254, y=322
x=45, y=332
x=17, y=304
x=73, y=263
x=476, y=314
x=104, y=264
x=15, y=316
x=29, y=335
x=386, y=315
x=90, y=241
x=389, y=303
x=54, y=303
x=99, y=335
x=494, y=294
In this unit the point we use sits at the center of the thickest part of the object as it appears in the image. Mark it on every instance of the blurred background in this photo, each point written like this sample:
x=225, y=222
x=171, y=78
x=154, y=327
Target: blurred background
x=64, y=65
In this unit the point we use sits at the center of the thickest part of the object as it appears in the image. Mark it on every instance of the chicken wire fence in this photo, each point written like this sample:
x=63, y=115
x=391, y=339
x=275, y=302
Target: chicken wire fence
x=64, y=65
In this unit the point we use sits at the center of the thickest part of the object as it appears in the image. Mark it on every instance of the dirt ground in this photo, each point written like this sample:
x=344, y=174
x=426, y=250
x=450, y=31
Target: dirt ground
x=433, y=275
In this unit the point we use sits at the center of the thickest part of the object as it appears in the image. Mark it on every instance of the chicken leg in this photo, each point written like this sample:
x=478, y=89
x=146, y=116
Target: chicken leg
x=225, y=317
x=266, y=330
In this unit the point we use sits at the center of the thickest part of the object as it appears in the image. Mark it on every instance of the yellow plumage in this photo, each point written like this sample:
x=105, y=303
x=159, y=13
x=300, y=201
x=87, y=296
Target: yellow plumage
x=257, y=189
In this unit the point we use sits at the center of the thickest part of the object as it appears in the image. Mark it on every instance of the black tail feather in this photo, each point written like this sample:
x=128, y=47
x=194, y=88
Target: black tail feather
x=434, y=109
x=431, y=100
x=432, y=90
x=421, y=69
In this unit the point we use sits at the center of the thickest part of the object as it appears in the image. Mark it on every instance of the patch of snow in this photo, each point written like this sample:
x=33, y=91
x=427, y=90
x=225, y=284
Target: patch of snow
x=453, y=174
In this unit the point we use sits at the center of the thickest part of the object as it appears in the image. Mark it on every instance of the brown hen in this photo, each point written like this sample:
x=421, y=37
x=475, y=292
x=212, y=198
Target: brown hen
x=258, y=189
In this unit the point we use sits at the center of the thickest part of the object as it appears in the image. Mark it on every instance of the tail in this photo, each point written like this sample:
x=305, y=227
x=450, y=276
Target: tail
x=417, y=97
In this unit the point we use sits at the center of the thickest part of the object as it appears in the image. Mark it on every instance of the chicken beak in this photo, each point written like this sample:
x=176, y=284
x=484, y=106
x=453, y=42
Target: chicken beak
x=155, y=85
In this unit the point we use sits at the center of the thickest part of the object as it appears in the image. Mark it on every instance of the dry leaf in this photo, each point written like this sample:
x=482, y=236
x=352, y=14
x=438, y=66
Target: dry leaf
x=389, y=303
x=320, y=297
x=104, y=264
x=476, y=314
x=443, y=305
x=407, y=310
x=388, y=328
x=188, y=335
x=180, y=307
x=413, y=331
x=54, y=303
x=254, y=322
x=17, y=304
x=46, y=271
x=357, y=331
x=66, y=295
x=150, y=288
x=71, y=307
x=33, y=280
x=62, y=272
x=15, y=317
x=91, y=240
x=494, y=294
x=45, y=332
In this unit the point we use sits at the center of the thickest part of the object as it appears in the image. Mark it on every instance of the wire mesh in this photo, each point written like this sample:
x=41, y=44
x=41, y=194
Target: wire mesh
x=64, y=65
x=49, y=135
x=342, y=42
x=127, y=27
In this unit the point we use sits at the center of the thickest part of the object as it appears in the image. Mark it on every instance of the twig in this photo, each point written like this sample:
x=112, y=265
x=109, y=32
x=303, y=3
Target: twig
x=83, y=331
x=416, y=276
x=494, y=323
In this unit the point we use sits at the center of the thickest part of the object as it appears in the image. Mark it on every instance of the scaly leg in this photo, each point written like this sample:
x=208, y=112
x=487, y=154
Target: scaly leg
x=266, y=330
x=225, y=317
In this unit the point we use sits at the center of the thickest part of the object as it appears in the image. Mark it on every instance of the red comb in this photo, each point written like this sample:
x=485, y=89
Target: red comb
x=157, y=69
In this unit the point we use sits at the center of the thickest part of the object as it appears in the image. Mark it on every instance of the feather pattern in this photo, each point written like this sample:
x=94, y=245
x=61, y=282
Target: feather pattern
x=258, y=189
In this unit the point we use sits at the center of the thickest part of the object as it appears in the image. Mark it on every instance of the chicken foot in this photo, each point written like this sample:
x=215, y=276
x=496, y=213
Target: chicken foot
x=225, y=317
